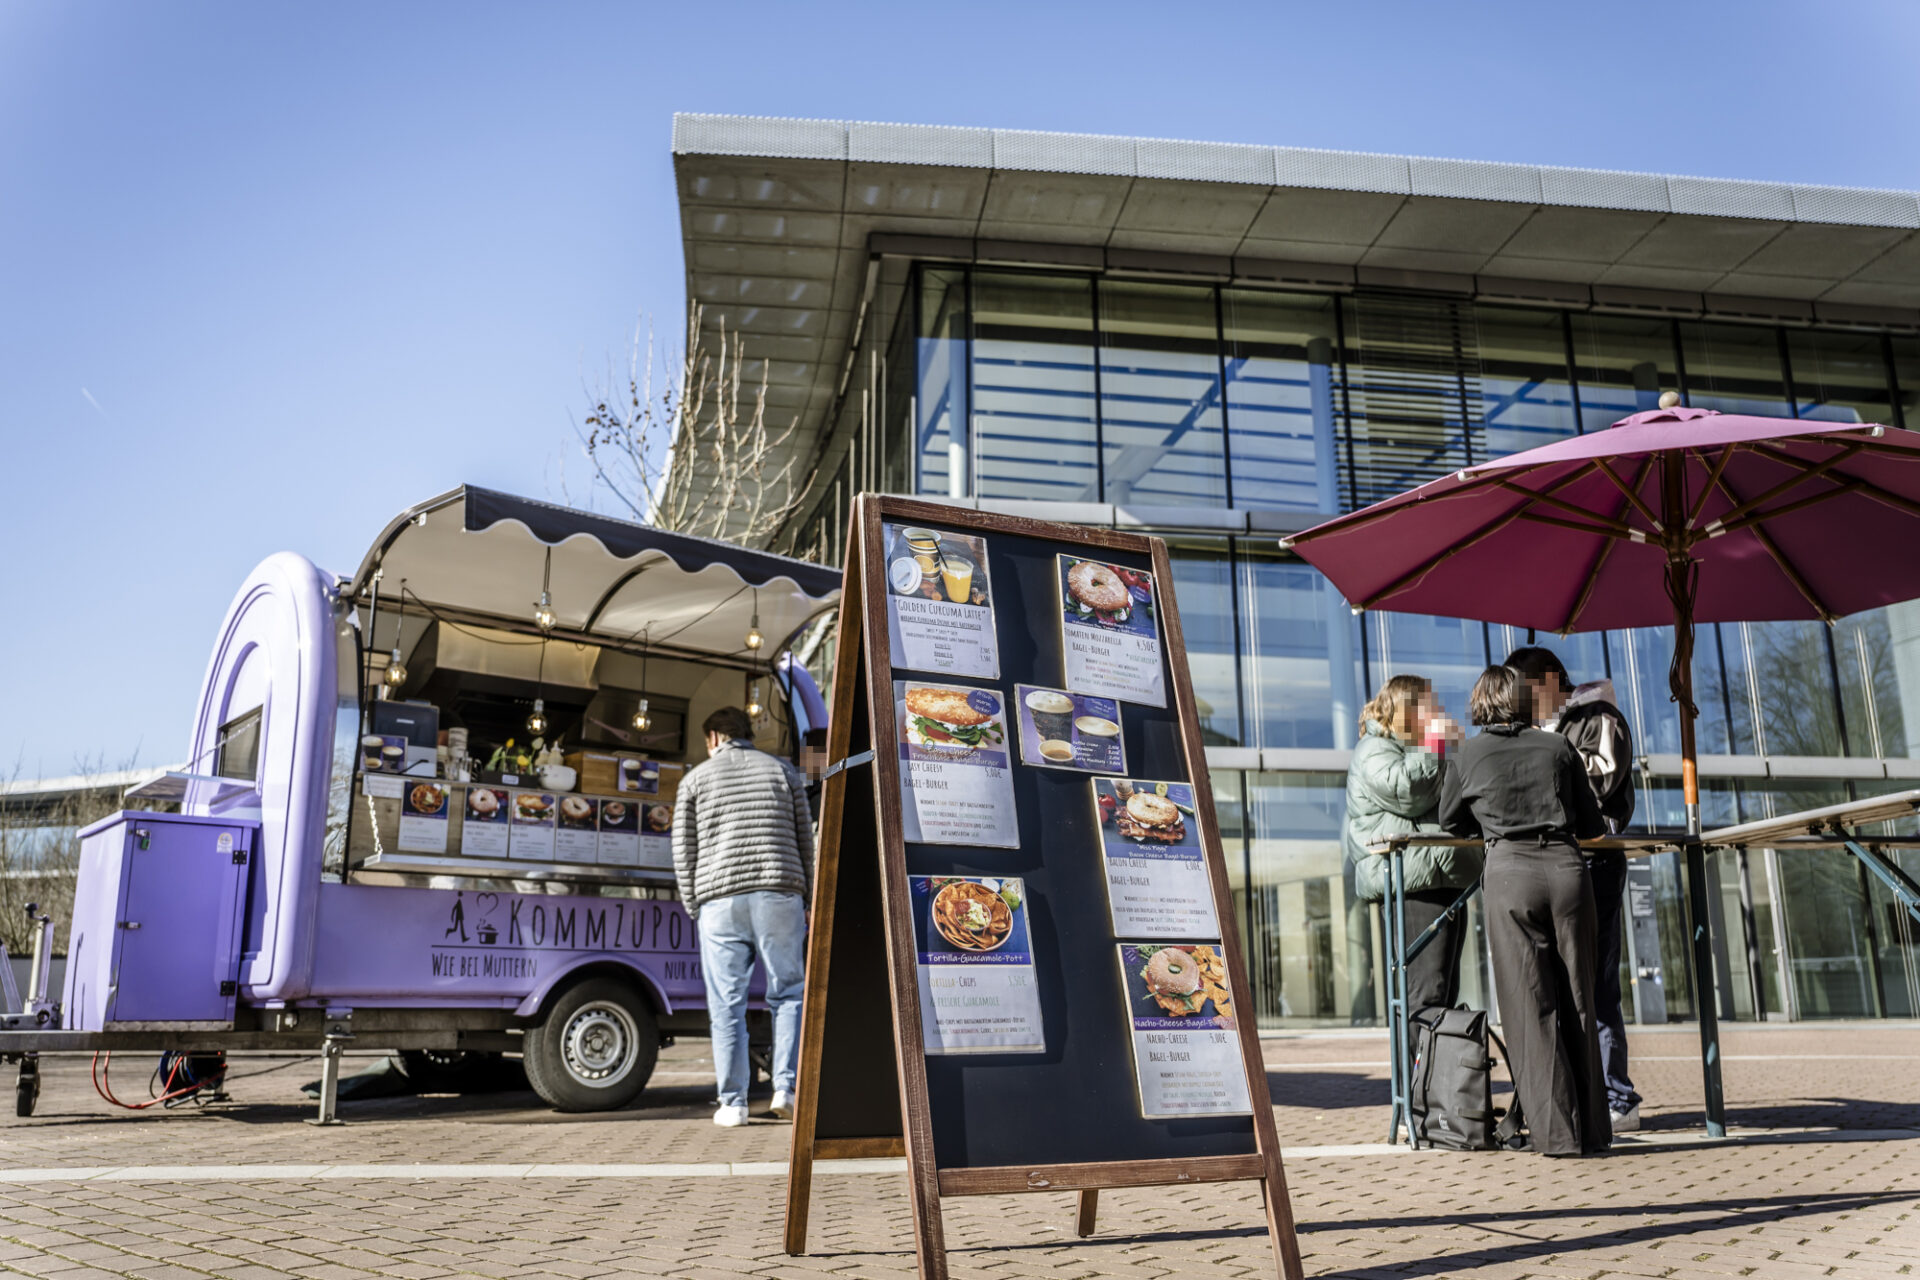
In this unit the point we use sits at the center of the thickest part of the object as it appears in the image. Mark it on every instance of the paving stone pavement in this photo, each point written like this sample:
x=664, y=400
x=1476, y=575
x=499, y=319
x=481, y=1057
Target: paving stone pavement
x=1834, y=1190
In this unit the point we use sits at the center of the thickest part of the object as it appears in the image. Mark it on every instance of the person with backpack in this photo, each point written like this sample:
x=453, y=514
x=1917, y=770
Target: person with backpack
x=1393, y=788
x=1585, y=715
x=1525, y=792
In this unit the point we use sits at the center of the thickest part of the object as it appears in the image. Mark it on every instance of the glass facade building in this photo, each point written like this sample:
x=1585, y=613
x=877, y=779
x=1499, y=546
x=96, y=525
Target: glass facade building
x=1225, y=415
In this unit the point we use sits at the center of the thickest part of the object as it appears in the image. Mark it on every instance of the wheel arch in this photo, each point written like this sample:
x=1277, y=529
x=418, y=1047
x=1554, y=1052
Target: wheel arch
x=535, y=1006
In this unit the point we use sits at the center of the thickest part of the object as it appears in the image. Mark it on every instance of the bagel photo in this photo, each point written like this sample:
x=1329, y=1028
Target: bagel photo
x=943, y=717
x=1100, y=592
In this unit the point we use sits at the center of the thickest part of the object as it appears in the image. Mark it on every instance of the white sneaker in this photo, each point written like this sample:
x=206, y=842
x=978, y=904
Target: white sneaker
x=782, y=1105
x=730, y=1117
x=1627, y=1121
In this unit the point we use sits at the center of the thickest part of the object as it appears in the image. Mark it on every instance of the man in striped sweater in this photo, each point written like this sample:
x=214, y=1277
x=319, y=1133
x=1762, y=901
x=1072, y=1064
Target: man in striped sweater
x=743, y=854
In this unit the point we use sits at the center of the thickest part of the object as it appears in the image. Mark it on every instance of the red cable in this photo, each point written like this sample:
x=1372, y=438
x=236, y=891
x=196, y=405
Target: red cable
x=103, y=1085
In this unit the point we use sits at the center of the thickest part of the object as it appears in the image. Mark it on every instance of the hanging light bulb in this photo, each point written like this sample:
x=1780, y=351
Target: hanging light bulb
x=396, y=669
x=754, y=709
x=537, y=722
x=754, y=638
x=641, y=720
x=543, y=613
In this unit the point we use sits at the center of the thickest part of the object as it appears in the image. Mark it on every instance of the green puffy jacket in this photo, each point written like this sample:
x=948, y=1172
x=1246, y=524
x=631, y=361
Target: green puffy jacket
x=1394, y=788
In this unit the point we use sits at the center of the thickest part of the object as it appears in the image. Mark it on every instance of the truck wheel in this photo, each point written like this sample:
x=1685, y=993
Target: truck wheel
x=596, y=1049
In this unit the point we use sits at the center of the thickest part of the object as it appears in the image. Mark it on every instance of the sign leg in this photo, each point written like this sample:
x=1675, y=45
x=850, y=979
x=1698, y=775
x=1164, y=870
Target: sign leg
x=1089, y=1207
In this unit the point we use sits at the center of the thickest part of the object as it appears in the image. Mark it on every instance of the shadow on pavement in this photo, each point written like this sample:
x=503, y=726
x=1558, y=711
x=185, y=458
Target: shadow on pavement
x=1326, y=1090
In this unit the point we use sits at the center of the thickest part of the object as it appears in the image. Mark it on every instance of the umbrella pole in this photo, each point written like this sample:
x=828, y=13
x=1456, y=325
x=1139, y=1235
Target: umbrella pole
x=1682, y=575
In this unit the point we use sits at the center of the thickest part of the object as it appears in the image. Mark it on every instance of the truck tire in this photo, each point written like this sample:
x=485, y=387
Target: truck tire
x=596, y=1048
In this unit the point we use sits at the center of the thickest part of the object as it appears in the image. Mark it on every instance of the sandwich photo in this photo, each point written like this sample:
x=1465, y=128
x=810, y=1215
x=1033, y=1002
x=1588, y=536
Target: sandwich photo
x=948, y=719
x=1148, y=817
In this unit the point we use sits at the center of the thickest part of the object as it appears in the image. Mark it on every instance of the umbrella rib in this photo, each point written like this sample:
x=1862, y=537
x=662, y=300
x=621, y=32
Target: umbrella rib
x=1800, y=477
x=1599, y=562
x=1623, y=533
x=1714, y=473
x=1793, y=574
x=1719, y=527
x=1646, y=513
x=1600, y=523
x=1367, y=515
x=1867, y=488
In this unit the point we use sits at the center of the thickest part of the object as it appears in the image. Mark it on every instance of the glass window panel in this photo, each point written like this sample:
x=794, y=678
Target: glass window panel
x=941, y=412
x=1878, y=654
x=1525, y=398
x=1734, y=368
x=1311, y=943
x=1161, y=426
x=1895, y=930
x=1723, y=688
x=1282, y=400
x=1786, y=692
x=1033, y=387
x=1450, y=652
x=897, y=376
x=1638, y=659
x=1300, y=653
x=1622, y=363
x=1840, y=377
x=1906, y=377
x=1412, y=371
x=1584, y=655
x=1203, y=588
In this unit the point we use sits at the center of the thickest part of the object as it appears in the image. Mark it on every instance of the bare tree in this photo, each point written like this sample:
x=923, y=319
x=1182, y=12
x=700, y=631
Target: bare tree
x=40, y=855
x=687, y=456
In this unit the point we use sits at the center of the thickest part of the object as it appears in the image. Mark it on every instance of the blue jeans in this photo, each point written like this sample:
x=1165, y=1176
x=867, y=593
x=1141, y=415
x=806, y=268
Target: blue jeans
x=733, y=931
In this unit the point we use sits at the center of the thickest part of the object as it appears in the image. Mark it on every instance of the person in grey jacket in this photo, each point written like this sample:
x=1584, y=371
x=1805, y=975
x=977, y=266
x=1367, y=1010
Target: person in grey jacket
x=1393, y=788
x=743, y=857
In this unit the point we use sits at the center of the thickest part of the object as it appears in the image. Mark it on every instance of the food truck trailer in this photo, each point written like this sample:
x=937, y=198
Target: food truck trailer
x=428, y=808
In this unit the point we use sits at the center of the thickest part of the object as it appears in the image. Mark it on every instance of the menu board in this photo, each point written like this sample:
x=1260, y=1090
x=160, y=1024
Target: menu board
x=977, y=991
x=1061, y=730
x=1010, y=887
x=1110, y=631
x=1157, y=884
x=955, y=784
x=656, y=836
x=576, y=838
x=484, y=834
x=532, y=827
x=423, y=818
x=618, y=844
x=1186, y=1046
x=939, y=602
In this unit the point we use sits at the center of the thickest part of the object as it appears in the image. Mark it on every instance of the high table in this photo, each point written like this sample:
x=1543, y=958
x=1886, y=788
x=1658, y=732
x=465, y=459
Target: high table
x=1835, y=827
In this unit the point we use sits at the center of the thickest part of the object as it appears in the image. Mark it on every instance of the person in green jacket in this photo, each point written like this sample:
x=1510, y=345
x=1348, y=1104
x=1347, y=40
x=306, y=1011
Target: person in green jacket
x=1393, y=787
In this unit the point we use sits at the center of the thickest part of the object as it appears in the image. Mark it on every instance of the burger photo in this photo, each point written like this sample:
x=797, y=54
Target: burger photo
x=944, y=718
x=1150, y=817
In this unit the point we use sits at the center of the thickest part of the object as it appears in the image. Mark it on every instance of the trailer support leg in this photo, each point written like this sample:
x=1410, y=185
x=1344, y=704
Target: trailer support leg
x=339, y=1031
x=26, y=1091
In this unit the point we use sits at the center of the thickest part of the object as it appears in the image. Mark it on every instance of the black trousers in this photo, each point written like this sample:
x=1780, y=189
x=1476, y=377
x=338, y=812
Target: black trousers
x=1540, y=928
x=1609, y=872
x=1433, y=979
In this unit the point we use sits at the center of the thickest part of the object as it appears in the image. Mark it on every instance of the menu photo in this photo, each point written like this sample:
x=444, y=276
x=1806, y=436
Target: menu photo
x=955, y=784
x=939, y=602
x=1110, y=631
x=1157, y=882
x=423, y=818
x=1186, y=1044
x=576, y=838
x=484, y=832
x=619, y=838
x=531, y=827
x=656, y=836
x=1061, y=730
x=977, y=992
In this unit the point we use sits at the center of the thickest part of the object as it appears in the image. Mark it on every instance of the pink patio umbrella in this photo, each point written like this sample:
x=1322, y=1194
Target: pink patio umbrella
x=1674, y=515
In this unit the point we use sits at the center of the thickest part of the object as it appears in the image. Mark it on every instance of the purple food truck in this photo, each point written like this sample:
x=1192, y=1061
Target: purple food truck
x=429, y=805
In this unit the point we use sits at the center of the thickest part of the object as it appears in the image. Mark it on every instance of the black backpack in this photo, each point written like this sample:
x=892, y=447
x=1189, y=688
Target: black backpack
x=1450, y=1098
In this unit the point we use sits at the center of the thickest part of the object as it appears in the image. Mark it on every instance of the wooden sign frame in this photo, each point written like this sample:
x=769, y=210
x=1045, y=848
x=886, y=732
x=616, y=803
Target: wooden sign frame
x=841, y=1029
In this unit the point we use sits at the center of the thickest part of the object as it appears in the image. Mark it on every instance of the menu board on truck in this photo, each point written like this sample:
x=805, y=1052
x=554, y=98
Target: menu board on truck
x=656, y=836
x=577, y=837
x=484, y=834
x=977, y=993
x=423, y=818
x=1110, y=631
x=1186, y=1044
x=955, y=784
x=940, y=603
x=532, y=827
x=1157, y=884
x=619, y=843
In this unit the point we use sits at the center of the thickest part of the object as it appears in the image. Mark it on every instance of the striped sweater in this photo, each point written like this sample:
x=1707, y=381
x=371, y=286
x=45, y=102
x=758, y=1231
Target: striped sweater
x=741, y=824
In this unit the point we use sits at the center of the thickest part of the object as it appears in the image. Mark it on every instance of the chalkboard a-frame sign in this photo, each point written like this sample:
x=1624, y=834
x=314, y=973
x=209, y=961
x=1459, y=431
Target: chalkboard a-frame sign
x=1070, y=1116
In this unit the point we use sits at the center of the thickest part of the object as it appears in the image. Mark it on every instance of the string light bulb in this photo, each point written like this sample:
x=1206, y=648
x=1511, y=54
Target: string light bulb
x=641, y=720
x=754, y=638
x=537, y=722
x=396, y=669
x=543, y=616
x=754, y=709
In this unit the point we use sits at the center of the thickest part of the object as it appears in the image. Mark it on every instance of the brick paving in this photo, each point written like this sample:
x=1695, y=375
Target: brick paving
x=1833, y=1191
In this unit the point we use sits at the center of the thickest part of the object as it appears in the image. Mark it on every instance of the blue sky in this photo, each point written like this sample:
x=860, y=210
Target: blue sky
x=270, y=273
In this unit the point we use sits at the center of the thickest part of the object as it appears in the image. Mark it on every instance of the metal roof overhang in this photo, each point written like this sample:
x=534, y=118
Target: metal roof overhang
x=476, y=555
x=781, y=222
